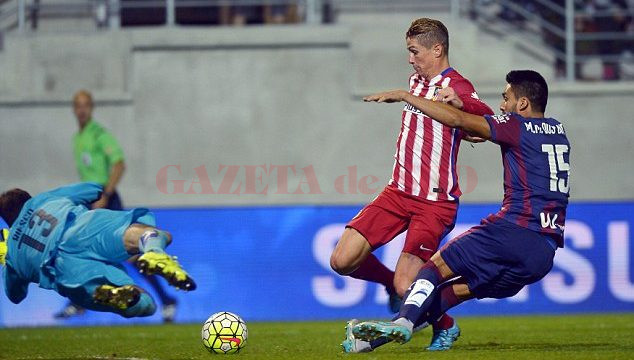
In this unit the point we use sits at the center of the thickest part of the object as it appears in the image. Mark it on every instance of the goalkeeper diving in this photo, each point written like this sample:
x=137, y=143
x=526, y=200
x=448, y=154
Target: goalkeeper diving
x=56, y=241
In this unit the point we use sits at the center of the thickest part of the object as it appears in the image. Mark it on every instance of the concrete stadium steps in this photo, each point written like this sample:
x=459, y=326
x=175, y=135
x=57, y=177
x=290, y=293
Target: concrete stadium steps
x=50, y=62
x=285, y=95
x=378, y=42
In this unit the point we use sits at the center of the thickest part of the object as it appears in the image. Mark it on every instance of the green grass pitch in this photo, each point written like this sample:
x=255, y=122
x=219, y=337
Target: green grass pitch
x=601, y=336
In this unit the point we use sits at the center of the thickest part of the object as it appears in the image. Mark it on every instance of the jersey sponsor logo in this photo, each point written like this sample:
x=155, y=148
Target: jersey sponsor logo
x=412, y=109
x=501, y=119
x=548, y=222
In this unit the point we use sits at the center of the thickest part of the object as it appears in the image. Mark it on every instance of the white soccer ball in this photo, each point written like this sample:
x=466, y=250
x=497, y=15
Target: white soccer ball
x=224, y=333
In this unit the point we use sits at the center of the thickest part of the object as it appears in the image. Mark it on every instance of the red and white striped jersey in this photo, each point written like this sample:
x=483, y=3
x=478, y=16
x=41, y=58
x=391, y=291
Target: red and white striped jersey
x=426, y=150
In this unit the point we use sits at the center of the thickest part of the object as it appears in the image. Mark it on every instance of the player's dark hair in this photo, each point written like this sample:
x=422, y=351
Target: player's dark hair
x=529, y=84
x=429, y=32
x=11, y=203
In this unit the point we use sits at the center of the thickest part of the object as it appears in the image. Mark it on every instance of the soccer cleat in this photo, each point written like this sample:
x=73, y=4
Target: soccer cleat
x=166, y=266
x=444, y=339
x=394, y=302
x=69, y=310
x=352, y=344
x=121, y=297
x=372, y=330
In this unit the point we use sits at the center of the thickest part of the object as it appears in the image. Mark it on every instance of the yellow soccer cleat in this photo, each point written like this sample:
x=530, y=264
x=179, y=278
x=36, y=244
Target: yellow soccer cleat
x=122, y=297
x=166, y=266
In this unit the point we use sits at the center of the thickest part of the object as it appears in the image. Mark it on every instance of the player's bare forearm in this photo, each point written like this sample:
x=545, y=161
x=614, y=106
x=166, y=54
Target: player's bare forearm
x=473, y=139
x=116, y=173
x=443, y=113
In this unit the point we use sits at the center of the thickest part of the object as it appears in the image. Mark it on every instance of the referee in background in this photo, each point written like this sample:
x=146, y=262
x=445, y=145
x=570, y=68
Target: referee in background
x=97, y=153
x=99, y=159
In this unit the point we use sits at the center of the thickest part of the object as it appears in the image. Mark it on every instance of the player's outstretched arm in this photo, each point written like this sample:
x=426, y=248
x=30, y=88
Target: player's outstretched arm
x=465, y=102
x=443, y=113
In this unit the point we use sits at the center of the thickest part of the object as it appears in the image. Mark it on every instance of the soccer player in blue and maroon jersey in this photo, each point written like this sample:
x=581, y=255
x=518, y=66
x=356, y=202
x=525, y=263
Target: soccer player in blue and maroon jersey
x=512, y=248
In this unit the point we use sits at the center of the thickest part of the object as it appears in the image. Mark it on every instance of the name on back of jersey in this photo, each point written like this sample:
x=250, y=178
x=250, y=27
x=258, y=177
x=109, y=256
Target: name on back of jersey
x=545, y=128
x=24, y=220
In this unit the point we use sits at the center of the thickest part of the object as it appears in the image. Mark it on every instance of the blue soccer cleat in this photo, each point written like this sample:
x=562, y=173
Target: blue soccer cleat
x=352, y=344
x=372, y=330
x=444, y=339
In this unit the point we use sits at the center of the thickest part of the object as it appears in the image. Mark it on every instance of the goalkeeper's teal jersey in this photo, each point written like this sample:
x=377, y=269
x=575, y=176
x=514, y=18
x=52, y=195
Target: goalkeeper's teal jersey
x=37, y=232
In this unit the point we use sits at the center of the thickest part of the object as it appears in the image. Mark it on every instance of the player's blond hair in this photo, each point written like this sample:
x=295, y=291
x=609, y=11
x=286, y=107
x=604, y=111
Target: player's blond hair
x=429, y=32
x=82, y=93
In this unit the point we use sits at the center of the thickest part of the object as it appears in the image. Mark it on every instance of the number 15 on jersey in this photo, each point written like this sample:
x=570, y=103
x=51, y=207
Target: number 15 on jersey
x=557, y=163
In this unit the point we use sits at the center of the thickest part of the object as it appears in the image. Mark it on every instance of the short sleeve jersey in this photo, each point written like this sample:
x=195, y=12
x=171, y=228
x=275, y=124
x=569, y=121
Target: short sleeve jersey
x=426, y=150
x=95, y=151
x=536, y=159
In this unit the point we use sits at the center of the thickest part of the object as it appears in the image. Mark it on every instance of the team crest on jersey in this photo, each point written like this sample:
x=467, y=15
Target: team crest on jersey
x=434, y=97
x=501, y=119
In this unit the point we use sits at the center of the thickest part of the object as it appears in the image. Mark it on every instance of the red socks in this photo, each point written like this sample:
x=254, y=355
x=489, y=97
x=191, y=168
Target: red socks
x=373, y=270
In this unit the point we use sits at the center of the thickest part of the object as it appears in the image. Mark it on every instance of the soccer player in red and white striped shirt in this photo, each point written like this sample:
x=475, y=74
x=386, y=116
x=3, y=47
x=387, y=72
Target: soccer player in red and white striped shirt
x=422, y=196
